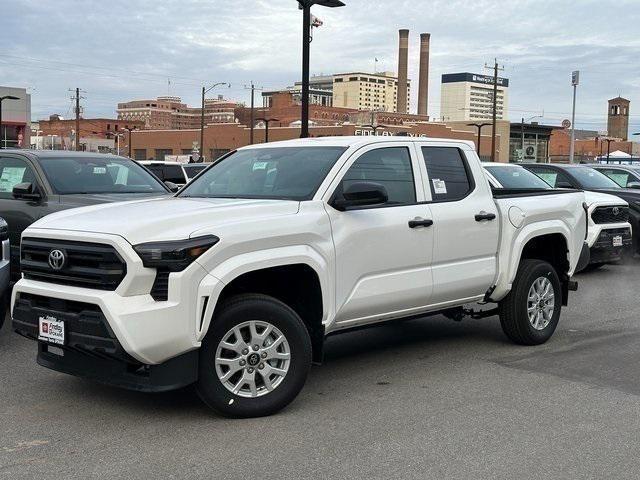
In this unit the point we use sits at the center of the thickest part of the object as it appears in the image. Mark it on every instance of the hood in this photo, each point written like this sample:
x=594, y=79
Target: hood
x=603, y=199
x=631, y=195
x=83, y=199
x=171, y=218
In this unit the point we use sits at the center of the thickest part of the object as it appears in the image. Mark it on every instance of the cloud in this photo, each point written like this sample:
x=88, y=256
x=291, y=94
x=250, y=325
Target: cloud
x=121, y=50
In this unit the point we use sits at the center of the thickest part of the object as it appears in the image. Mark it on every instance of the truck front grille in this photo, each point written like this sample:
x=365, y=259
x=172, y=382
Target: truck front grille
x=79, y=264
x=610, y=215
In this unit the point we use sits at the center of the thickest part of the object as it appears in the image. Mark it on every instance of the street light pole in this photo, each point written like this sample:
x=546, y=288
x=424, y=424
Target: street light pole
x=204, y=91
x=129, y=129
x=305, y=6
x=266, y=126
x=575, y=81
x=3, y=137
x=479, y=127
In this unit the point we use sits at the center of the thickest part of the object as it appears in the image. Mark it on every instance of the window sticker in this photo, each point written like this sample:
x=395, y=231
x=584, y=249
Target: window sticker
x=516, y=174
x=99, y=170
x=439, y=186
x=260, y=166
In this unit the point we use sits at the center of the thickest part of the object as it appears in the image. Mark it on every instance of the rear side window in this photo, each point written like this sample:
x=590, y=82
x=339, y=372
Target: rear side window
x=391, y=168
x=619, y=176
x=449, y=177
x=552, y=177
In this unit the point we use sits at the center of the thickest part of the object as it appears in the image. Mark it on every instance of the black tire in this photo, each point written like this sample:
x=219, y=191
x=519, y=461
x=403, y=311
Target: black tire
x=513, y=308
x=234, y=312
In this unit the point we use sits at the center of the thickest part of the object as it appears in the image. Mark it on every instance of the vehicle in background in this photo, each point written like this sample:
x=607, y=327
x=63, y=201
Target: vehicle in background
x=605, y=242
x=626, y=176
x=234, y=283
x=586, y=178
x=175, y=172
x=35, y=183
x=5, y=274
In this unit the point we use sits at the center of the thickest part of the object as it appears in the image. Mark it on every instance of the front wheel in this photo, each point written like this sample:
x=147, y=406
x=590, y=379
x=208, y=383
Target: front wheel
x=529, y=314
x=255, y=359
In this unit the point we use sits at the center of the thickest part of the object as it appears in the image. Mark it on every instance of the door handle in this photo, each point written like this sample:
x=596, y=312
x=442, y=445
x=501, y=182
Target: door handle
x=420, y=222
x=485, y=216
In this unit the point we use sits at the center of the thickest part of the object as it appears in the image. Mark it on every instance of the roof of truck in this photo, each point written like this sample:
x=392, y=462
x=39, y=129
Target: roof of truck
x=60, y=153
x=349, y=141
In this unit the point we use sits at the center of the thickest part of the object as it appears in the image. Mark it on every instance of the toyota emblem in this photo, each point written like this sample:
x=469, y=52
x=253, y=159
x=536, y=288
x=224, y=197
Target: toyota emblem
x=615, y=211
x=56, y=259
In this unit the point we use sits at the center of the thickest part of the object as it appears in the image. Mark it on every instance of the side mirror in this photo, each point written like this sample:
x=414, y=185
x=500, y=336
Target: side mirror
x=172, y=186
x=26, y=191
x=361, y=194
x=563, y=185
x=633, y=185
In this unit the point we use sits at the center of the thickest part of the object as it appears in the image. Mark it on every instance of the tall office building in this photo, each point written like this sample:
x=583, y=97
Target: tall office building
x=469, y=96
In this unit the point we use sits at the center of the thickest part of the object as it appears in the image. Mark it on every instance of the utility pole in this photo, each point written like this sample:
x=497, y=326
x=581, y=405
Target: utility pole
x=253, y=88
x=496, y=68
x=77, y=98
x=204, y=91
x=575, y=81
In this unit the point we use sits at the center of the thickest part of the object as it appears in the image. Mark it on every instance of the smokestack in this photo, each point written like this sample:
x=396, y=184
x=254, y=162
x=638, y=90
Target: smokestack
x=423, y=88
x=403, y=65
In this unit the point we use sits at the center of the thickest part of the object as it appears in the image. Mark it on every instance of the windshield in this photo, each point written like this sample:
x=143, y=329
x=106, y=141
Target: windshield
x=96, y=175
x=590, y=178
x=193, y=170
x=284, y=173
x=516, y=177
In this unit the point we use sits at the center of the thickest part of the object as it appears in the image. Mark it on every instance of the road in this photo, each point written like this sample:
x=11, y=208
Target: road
x=426, y=398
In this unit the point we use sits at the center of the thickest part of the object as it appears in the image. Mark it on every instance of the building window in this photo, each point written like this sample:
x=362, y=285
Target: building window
x=161, y=152
x=140, y=154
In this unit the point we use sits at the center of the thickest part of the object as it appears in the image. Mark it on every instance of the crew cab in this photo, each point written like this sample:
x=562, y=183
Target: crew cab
x=235, y=283
x=608, y=214
x=584, y=177
x=35, y=183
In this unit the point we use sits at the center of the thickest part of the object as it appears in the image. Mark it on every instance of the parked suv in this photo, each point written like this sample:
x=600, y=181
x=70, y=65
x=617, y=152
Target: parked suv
x=586, y=178
x=234, y=283
x=35, y=183
x=608, y=214
x=626, y=176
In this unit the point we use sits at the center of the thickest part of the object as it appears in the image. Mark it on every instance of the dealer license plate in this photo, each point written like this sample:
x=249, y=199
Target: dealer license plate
x=51, y=330
x=617, y=241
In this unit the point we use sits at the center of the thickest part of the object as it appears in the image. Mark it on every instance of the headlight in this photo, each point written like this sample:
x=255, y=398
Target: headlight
x=174, y=256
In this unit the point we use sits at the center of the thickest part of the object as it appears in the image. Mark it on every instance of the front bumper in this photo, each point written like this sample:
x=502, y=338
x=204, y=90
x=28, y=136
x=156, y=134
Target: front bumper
x=603, y=251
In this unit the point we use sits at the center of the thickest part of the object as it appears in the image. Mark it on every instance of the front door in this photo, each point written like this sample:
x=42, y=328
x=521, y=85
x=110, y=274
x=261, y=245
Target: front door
x=383, y=253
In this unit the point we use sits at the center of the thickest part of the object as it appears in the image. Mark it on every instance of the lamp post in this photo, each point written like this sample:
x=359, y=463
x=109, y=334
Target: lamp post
x=479, y=127
x=129, y=129
x=305, y=6
x=608, y=140
x=266, y=126
x=2, y=136
x=575, y=81
x=204, y=91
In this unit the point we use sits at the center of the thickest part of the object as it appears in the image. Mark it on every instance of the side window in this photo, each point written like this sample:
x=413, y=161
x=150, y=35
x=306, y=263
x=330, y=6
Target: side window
x=12, y=172
x=448, y=175
x=390, y=167
x=173, y=173
x=619, y=176
x=552, y=177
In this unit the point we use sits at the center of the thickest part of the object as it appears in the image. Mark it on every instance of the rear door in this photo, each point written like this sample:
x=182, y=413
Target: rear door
x=383, y=258
x=554, y=177
x=465, y=223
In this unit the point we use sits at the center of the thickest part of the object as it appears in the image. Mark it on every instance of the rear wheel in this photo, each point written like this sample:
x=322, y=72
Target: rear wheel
x=529, y=314
x=255, y=359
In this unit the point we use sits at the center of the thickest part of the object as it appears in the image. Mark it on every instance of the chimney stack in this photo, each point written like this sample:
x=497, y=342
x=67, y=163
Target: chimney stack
x=423, y=88
x=403, y=65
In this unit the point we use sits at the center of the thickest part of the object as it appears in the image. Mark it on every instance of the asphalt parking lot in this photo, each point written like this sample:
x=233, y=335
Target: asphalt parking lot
x=420, y=399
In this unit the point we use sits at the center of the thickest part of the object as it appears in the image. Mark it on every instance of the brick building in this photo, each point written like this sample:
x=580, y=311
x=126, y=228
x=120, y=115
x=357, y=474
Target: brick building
x=618, y=118
x=170, y=113
x=61, y=133
x=586, y=149
x=221, y=138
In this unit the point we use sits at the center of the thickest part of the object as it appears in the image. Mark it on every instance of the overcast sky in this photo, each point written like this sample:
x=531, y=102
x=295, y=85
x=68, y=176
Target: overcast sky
x=122, y=50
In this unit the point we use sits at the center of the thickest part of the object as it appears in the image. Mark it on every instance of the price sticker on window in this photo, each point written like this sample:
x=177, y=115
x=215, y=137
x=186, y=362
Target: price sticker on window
x=439, y=186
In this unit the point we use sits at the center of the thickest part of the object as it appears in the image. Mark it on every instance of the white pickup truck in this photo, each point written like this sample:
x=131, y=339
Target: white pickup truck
x=235, y=283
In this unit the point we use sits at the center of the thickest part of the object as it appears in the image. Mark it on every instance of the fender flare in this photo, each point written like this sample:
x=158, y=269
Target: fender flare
x=232, y=268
